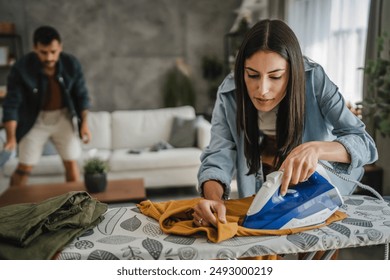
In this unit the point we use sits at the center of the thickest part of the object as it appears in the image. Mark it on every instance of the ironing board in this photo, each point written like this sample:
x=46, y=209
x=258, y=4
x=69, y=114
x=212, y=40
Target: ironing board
x=127, y=234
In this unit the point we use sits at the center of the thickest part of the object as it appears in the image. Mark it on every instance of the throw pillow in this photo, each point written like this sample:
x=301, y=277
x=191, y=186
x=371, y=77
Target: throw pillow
x=183, y=133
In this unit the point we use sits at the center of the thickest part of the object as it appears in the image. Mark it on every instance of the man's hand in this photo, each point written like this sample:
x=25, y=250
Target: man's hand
x=10, y=145
x=85, y=133
x=10, y=129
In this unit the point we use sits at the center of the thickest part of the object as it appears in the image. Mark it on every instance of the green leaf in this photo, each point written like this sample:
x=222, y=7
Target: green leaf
x=95, y=165
x=376, y=107
x=384, y=127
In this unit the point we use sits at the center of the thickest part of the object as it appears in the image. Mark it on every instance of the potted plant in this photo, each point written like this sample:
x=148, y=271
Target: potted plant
x=376, y=106
x=95, y=175
x=178, y=89
x=212, y=70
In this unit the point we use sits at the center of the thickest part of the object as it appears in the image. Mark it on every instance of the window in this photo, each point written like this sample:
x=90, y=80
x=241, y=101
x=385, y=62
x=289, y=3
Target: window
x=333, y=33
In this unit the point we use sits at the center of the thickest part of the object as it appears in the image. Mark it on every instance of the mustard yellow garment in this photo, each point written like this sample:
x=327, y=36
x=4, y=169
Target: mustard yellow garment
x=175, y=217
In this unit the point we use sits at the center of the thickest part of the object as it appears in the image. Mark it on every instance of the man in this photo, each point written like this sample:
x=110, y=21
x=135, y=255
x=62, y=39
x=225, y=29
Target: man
x=46, y=99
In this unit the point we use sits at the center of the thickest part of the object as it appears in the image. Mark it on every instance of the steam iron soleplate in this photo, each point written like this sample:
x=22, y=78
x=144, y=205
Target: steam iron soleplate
x=306, y=204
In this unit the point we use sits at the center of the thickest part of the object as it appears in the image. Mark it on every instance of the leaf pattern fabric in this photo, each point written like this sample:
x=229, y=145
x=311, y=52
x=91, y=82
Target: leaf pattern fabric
x=135, y=237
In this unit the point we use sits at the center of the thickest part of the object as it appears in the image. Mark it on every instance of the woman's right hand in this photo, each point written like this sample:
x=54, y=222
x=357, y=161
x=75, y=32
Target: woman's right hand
x=205, y=210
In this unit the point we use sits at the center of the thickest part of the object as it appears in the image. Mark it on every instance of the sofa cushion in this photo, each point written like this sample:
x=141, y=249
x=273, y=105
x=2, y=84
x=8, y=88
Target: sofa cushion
x=99, y=124
x=122, y=160
x=203, y=133
x=183, y=133
x=52, y=164
x=144, y=128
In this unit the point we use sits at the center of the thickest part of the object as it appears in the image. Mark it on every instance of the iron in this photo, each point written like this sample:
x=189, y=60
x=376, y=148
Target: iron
x=307, y=203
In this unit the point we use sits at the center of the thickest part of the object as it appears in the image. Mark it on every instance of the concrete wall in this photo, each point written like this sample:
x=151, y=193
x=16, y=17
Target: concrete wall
x=126, y=46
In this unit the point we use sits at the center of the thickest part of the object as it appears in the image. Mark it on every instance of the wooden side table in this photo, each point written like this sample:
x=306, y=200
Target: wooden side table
x=126, y=190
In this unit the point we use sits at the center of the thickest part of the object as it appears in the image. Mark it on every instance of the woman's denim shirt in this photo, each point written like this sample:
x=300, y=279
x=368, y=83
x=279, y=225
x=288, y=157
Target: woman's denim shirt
x=326, y=119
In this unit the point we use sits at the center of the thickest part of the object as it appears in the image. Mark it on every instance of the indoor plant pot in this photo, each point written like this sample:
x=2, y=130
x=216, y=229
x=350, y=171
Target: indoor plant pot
x=95, y=175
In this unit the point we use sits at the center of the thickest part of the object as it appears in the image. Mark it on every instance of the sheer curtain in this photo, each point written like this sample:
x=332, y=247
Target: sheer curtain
x=333, y=33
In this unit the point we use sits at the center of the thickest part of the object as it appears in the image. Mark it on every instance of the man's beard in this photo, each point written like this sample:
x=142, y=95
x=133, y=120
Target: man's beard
x=48, y=63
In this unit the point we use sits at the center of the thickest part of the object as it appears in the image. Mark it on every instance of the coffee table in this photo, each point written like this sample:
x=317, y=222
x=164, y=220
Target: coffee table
x=131, y=190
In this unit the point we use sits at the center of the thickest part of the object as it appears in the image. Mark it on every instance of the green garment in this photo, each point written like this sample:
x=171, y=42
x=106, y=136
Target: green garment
x=39, y=230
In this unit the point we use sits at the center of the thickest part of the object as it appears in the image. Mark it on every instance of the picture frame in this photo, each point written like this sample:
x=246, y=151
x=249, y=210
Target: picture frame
x=3, y=55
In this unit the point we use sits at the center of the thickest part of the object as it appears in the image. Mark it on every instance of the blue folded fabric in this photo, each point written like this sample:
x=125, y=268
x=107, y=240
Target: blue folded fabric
x=4, y=156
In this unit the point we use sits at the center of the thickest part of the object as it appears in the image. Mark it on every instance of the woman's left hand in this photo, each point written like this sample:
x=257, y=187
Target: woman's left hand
x=299, y=165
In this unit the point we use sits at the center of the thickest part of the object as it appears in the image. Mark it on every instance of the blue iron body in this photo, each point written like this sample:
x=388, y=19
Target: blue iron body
x=308, y=203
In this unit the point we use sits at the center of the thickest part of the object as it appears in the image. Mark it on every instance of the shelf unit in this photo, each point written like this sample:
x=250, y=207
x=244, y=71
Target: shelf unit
x=11, y=49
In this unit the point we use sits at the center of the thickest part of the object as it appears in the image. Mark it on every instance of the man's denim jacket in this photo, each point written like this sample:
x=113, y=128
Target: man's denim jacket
x=326, y=119
x=27, y=87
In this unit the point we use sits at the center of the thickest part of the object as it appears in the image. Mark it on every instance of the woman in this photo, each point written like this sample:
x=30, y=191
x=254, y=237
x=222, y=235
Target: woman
x=279, y=111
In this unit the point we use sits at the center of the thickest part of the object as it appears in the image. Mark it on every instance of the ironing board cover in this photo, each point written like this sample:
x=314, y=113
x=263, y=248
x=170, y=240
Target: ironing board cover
x=128, y=234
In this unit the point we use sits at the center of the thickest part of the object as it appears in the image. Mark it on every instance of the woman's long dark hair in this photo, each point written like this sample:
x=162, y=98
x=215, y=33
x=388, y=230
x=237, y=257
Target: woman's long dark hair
x=275, y=36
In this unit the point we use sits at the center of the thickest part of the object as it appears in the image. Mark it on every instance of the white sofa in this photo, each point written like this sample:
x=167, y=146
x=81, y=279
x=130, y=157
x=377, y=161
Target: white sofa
x=115, y=134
